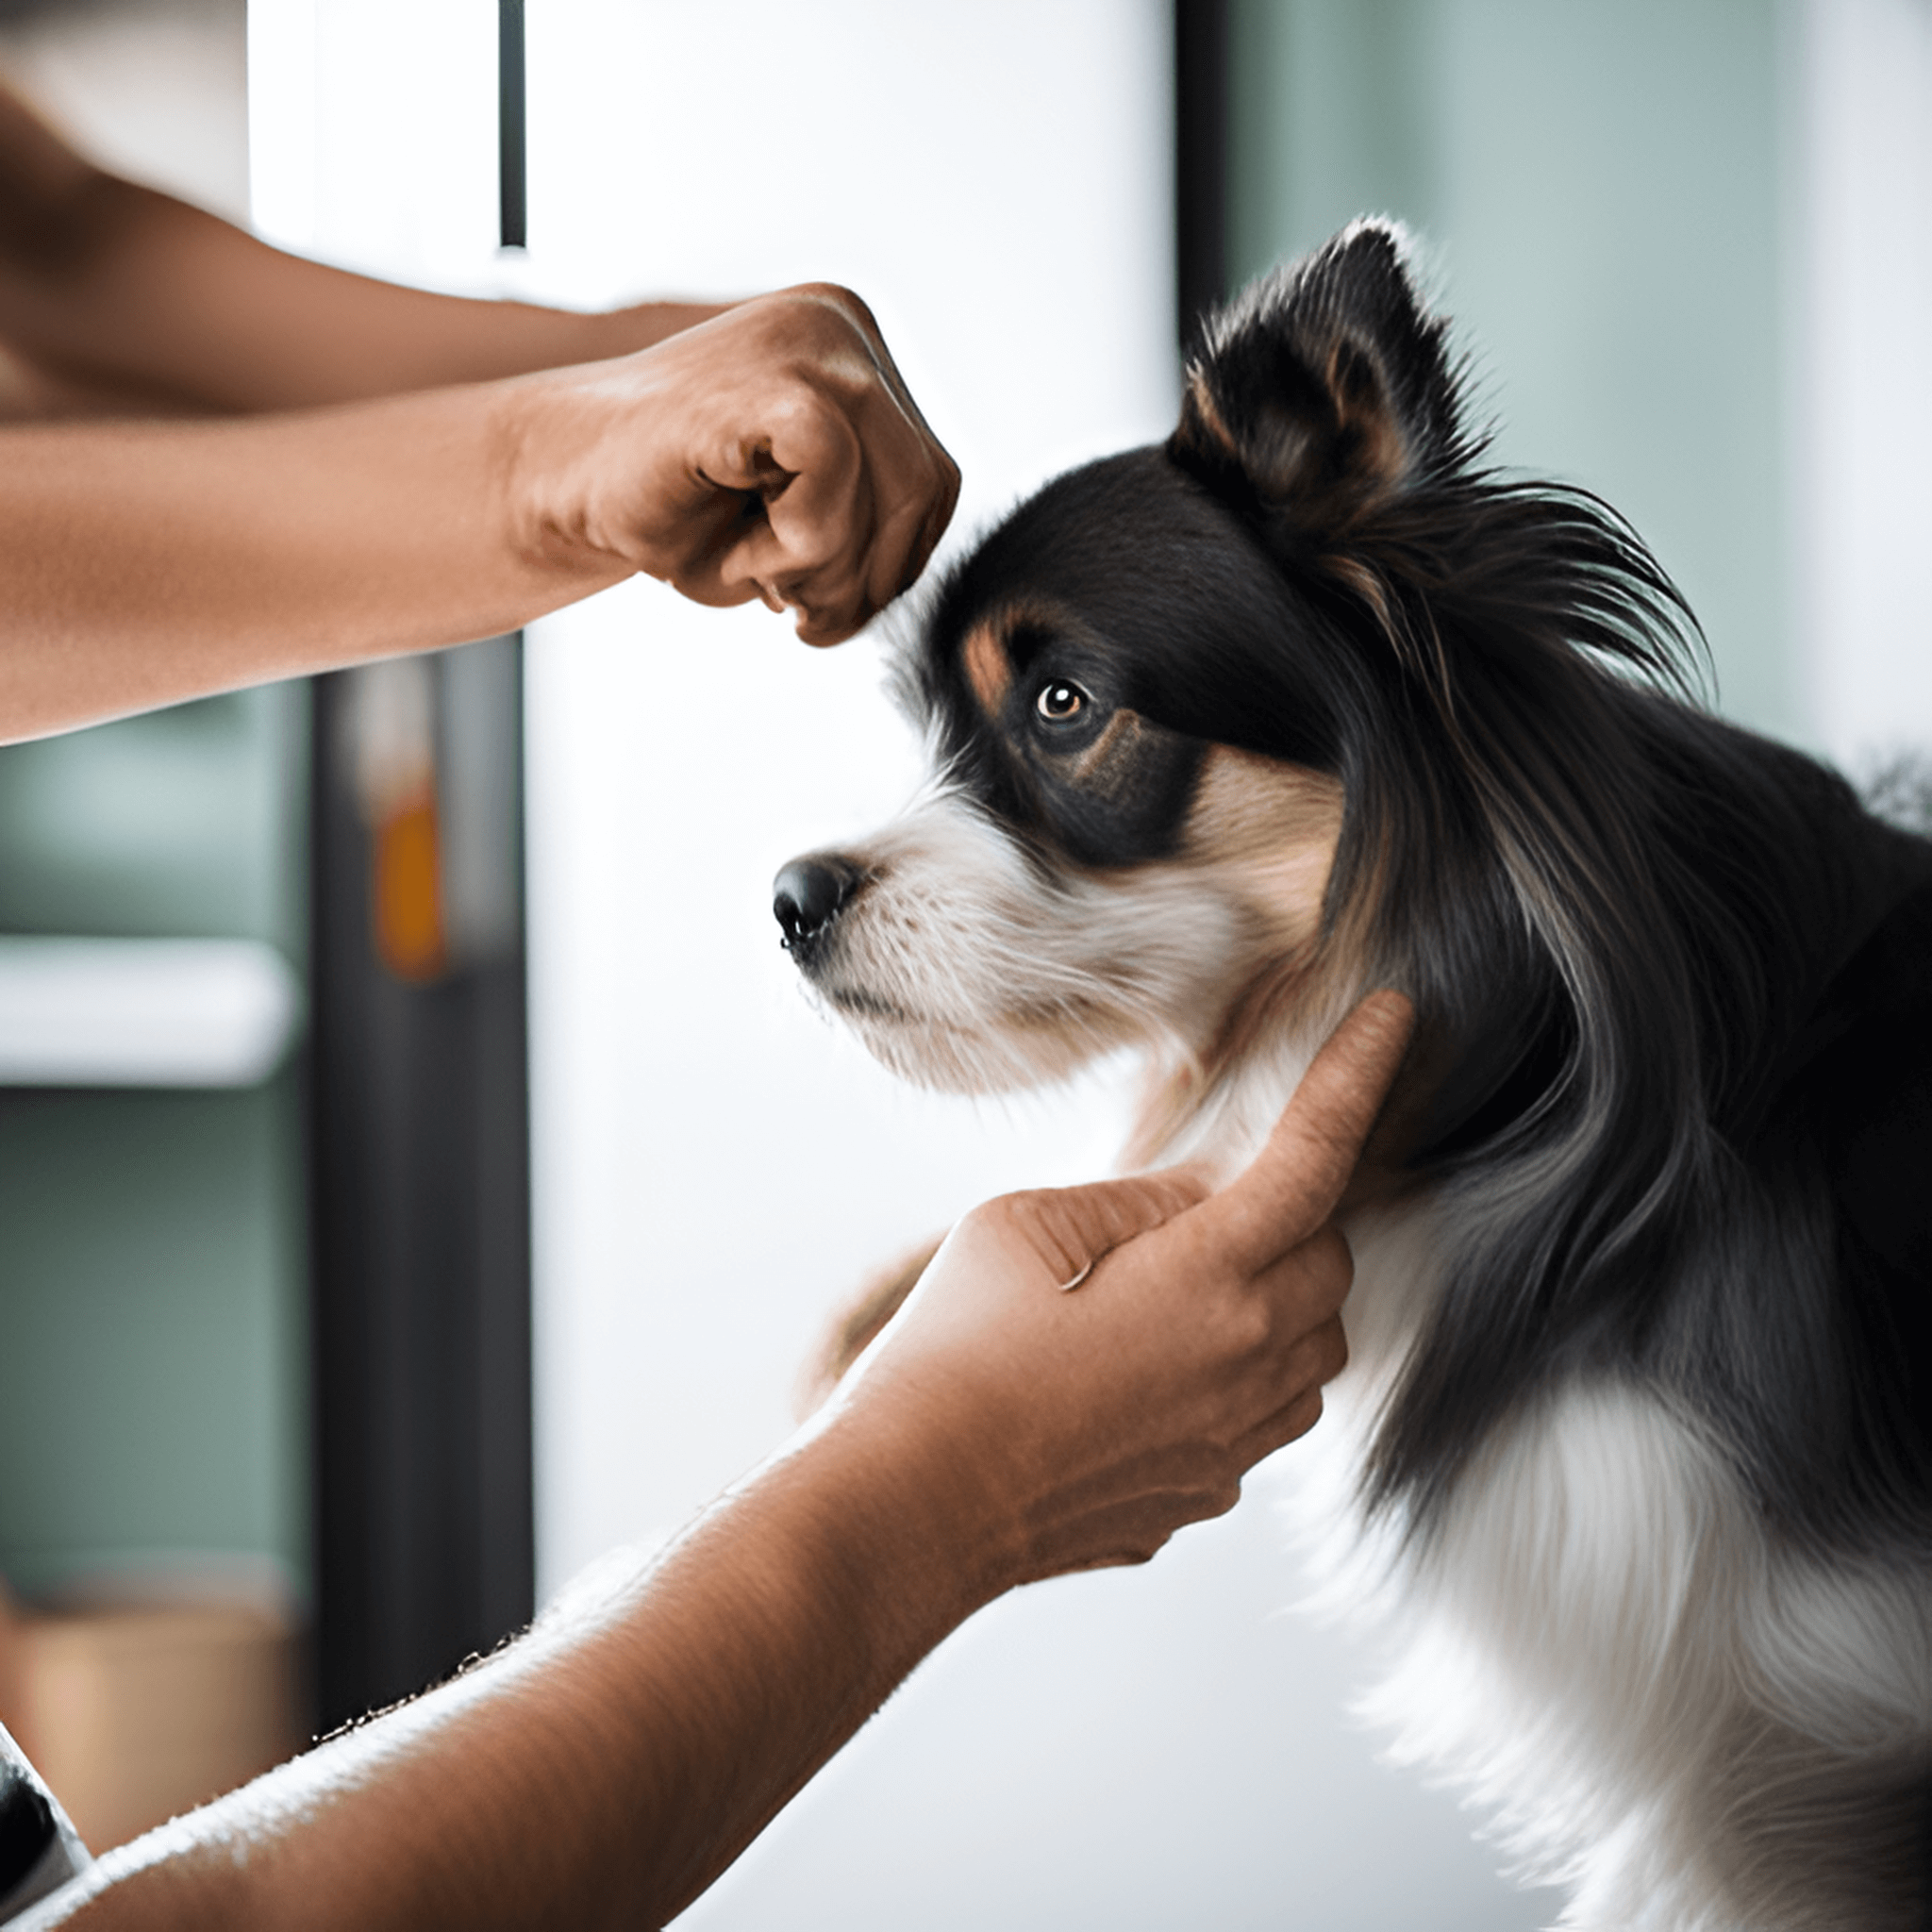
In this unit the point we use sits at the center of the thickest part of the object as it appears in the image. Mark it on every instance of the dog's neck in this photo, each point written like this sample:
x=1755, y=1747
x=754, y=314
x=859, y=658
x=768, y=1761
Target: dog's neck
x=1459, y=1086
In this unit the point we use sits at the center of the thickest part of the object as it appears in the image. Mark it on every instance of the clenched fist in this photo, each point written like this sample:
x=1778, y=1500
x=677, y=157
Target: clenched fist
x=772, y=451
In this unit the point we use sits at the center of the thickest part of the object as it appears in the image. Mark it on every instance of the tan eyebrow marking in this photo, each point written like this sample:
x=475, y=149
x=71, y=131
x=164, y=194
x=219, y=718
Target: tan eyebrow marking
x=988, y=670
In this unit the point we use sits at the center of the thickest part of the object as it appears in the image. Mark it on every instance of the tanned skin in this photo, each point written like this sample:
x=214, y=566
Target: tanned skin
x=224, y=465
x=605, y=1769
x=368, y=470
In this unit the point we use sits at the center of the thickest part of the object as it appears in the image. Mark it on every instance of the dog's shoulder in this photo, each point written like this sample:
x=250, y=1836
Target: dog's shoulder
x=1861, y=1069
x=1858, y=1084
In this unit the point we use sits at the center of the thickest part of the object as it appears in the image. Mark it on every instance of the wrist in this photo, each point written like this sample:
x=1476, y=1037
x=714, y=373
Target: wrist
x=894, y=1525
x=643, y=325
x=545, y=431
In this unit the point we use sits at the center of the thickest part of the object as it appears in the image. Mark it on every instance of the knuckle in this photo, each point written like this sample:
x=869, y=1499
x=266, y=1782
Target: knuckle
x=1216, y=1499
x=987, y=1218
x=808, y=424
x=1330, y=1246
x=1328, y=1266
x=1026, y=1204
x=1334, y=1351
x=1248, y=1326
x=827, y=631
x=1300, y=1416
x=836, y=291
x=1045, y=1220
x=1002, y=1209
x=794, y=403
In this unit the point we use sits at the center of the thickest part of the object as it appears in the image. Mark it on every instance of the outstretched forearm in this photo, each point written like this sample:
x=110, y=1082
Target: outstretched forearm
x=376, y=470
x=771, y=452
x=606, y=1769
x=143, y=563
x=114, y=298
x=1003, y=1428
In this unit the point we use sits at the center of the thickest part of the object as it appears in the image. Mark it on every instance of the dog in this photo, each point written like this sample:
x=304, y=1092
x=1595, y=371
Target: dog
x=1630, y=1465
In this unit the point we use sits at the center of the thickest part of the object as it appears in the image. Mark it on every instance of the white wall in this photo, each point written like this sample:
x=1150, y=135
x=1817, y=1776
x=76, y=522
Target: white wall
x=715, y=1167
x=1863, y=515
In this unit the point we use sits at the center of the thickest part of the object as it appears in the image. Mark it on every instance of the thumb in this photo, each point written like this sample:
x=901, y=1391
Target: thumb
x=1069, y=1229
x=1292, y=1185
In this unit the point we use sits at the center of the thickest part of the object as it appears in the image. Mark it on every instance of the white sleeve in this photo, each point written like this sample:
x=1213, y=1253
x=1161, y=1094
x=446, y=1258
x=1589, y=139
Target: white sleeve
x=40, y=1849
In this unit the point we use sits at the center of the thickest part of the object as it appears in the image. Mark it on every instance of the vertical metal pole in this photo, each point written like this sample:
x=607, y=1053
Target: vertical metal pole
x=512, y=169
x=419, y=1151
x=1200, y=178
x=420, y=1158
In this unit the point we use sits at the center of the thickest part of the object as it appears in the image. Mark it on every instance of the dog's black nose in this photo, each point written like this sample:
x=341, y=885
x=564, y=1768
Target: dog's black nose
x=806, y=895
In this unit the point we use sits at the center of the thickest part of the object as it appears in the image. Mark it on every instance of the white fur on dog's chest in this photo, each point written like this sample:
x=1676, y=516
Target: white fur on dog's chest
x=1595, y=1627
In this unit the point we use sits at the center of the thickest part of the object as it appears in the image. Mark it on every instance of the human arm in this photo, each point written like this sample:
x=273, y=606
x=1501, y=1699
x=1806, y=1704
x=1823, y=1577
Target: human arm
x=609, y=1766
x=772, y=451
x=117, y=298
x=452, y=468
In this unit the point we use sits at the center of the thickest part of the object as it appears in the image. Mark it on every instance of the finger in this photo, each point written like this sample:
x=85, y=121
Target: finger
x=910, y=491
x=821, y=629
x=817, y=548
x=915, y=482
x=1293, y=1183
x=1309, y=1283
x=791, y=568
x=804, y=473
x=692, y=550
x=706, y=585
x=821, y=461
x=858, y=316
x=1072, y=1228
x=829, y=607
x=1321, y=1355
x=1286, y=1426
x=1316, y=1359
x=906, y=535
x=945, y=500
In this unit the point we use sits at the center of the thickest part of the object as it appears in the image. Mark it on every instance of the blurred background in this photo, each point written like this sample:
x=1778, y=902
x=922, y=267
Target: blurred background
x=418, y=1172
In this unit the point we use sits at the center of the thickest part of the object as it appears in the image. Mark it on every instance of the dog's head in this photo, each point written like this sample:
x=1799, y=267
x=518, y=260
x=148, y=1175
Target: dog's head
x=1203, y=768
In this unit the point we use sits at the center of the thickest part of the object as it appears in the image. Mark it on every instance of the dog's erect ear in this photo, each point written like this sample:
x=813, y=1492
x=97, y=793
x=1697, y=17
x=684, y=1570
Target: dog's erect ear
x=1322, y=388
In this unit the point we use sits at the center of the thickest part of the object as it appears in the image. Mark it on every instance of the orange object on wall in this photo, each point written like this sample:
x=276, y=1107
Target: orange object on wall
x=408, y=892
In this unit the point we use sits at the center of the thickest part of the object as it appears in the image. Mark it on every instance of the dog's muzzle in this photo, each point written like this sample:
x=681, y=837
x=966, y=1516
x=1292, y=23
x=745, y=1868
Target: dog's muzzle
x=808, y=895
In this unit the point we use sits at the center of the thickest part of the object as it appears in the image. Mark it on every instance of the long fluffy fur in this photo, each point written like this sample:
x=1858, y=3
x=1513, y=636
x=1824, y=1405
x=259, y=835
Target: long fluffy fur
x=1626, y=1458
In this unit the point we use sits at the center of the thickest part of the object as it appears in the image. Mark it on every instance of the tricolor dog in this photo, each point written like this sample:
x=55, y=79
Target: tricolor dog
x=1630, y=1462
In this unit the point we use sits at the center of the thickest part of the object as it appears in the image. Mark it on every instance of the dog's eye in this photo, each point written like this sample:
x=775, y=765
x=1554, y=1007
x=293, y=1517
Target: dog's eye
x=1060, y=702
